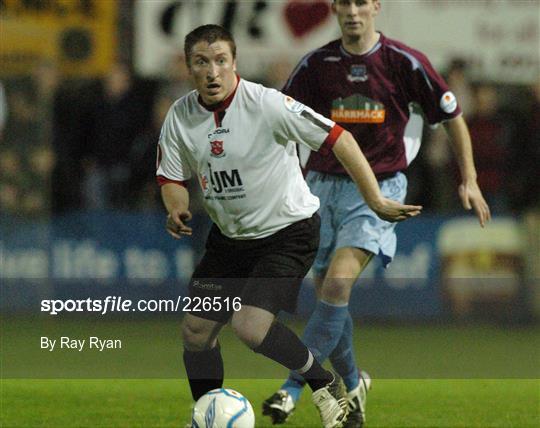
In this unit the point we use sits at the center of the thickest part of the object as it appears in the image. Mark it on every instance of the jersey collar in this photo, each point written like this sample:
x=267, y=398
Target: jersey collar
x=222, y=105
x=374, y=49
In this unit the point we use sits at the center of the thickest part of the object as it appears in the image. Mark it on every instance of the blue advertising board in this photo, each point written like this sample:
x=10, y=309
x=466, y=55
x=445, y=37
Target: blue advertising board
x=131, y=254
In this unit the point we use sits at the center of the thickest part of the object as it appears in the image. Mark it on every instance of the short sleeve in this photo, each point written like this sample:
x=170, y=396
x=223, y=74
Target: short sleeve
x=426, y=87
x=172, y=165
x=289, y=119
x=300, y=85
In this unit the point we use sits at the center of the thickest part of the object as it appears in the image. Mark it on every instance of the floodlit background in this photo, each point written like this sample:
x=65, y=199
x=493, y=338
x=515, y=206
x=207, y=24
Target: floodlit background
x=84, y=88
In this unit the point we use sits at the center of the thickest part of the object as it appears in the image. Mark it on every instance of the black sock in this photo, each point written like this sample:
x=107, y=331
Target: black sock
x=284, y=347
x=204, y=370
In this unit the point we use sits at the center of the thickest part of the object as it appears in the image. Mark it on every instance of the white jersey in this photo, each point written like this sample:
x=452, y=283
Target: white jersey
x=243, y=154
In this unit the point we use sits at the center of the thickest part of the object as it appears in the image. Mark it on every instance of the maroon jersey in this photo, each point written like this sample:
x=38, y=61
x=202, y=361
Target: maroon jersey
x=381, y=97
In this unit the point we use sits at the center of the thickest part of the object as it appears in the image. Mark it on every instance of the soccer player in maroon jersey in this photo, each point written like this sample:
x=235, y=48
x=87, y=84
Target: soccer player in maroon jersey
x=375, y=87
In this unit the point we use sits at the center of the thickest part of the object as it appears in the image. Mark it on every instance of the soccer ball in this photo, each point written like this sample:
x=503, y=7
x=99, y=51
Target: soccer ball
x=222, y=408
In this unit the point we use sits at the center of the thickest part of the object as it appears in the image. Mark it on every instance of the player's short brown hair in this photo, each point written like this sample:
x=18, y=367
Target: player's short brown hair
x=209, y=33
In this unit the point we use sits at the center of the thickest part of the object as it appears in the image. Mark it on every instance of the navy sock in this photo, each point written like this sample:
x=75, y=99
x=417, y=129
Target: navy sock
x=284, y=347
x=204, y=370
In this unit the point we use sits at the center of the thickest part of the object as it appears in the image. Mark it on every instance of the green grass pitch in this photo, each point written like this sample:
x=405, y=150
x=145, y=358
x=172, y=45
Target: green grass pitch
x=425, y=376
x=165, y=403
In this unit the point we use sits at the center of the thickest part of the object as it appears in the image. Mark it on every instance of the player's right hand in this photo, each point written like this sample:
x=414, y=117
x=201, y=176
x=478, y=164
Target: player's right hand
x=393, y=211
x=176, y=224
x=472, y=198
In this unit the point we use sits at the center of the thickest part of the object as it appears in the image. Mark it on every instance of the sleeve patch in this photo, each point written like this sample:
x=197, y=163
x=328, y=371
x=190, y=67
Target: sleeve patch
x=448, y=102
x=292, y=105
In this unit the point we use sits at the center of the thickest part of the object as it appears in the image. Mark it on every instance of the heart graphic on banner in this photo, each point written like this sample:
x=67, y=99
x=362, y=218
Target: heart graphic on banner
x=303, y=17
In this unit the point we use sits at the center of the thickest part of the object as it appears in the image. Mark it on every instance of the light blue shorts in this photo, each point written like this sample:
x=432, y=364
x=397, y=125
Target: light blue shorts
x=347, y=221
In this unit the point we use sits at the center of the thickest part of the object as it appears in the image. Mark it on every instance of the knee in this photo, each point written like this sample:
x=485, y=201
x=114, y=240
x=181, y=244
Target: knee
x=195, y=338
x=248, y=331
x=336, y=290
x=319, y=281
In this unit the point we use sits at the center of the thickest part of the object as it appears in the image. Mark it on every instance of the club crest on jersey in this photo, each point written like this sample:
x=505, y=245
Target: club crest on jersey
x=292, y=105
x=358, y=73
x=216, y=149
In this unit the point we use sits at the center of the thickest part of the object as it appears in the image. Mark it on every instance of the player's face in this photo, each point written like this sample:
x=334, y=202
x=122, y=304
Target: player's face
x=213, y=70
x=356, y=17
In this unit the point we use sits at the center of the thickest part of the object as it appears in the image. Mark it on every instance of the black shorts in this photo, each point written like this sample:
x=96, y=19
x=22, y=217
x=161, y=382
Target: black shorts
x=266, y=273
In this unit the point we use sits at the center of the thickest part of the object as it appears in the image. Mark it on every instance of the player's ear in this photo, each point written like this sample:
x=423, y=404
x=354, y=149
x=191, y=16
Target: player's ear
x=234, y=65
x=376, y=7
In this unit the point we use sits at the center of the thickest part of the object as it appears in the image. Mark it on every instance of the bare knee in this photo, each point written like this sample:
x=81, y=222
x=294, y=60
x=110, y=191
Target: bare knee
x=250, y=329
x=337, y=290
x=347, y=264
x=196, y=337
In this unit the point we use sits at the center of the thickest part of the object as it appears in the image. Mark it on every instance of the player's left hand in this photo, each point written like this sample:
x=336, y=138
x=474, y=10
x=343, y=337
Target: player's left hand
x=393, y=211
x=471, y=198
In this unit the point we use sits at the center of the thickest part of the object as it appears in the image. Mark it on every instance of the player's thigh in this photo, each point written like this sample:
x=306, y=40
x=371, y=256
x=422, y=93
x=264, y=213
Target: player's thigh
x=360, y=227
x=348, y=263
x=217, y=281
x=275, y=280
x=326, y=188
x=199, y=333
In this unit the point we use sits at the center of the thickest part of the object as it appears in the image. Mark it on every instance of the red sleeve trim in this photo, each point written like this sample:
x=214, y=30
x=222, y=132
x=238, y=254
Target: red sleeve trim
x=161, y=180
x=333, y=136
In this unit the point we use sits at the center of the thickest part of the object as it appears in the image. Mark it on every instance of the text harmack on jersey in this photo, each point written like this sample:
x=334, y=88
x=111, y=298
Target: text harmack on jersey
x=374, y=96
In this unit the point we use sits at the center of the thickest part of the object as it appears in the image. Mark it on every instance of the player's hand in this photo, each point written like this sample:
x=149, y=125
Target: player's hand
x=471, y=198
x=176, y=224
x=393, y=211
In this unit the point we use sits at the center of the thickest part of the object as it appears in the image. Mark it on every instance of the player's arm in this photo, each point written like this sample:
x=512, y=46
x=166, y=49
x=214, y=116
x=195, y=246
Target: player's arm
x=426, y=86
x=176, y=200
x=351, y=157
x=469, y=192
x=291, y=120
x=172, y=172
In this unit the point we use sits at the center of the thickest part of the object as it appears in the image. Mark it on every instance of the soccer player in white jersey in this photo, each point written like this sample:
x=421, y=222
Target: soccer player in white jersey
x=374, y=86
x=237, y=139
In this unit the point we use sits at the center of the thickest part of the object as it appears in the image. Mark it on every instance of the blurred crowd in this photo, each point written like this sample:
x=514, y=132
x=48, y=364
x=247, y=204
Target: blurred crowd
x=68, y=145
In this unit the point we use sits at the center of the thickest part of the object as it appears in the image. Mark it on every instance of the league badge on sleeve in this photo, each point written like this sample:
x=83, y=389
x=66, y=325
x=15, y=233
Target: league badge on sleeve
x=292, y=105
x=448, y=102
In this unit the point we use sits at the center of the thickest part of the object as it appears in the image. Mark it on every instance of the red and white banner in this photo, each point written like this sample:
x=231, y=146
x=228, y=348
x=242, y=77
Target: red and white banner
x=265, y=31
x=501, y=38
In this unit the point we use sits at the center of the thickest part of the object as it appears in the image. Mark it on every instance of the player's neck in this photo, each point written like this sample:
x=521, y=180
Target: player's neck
x=224, y=103
x=360, y=45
